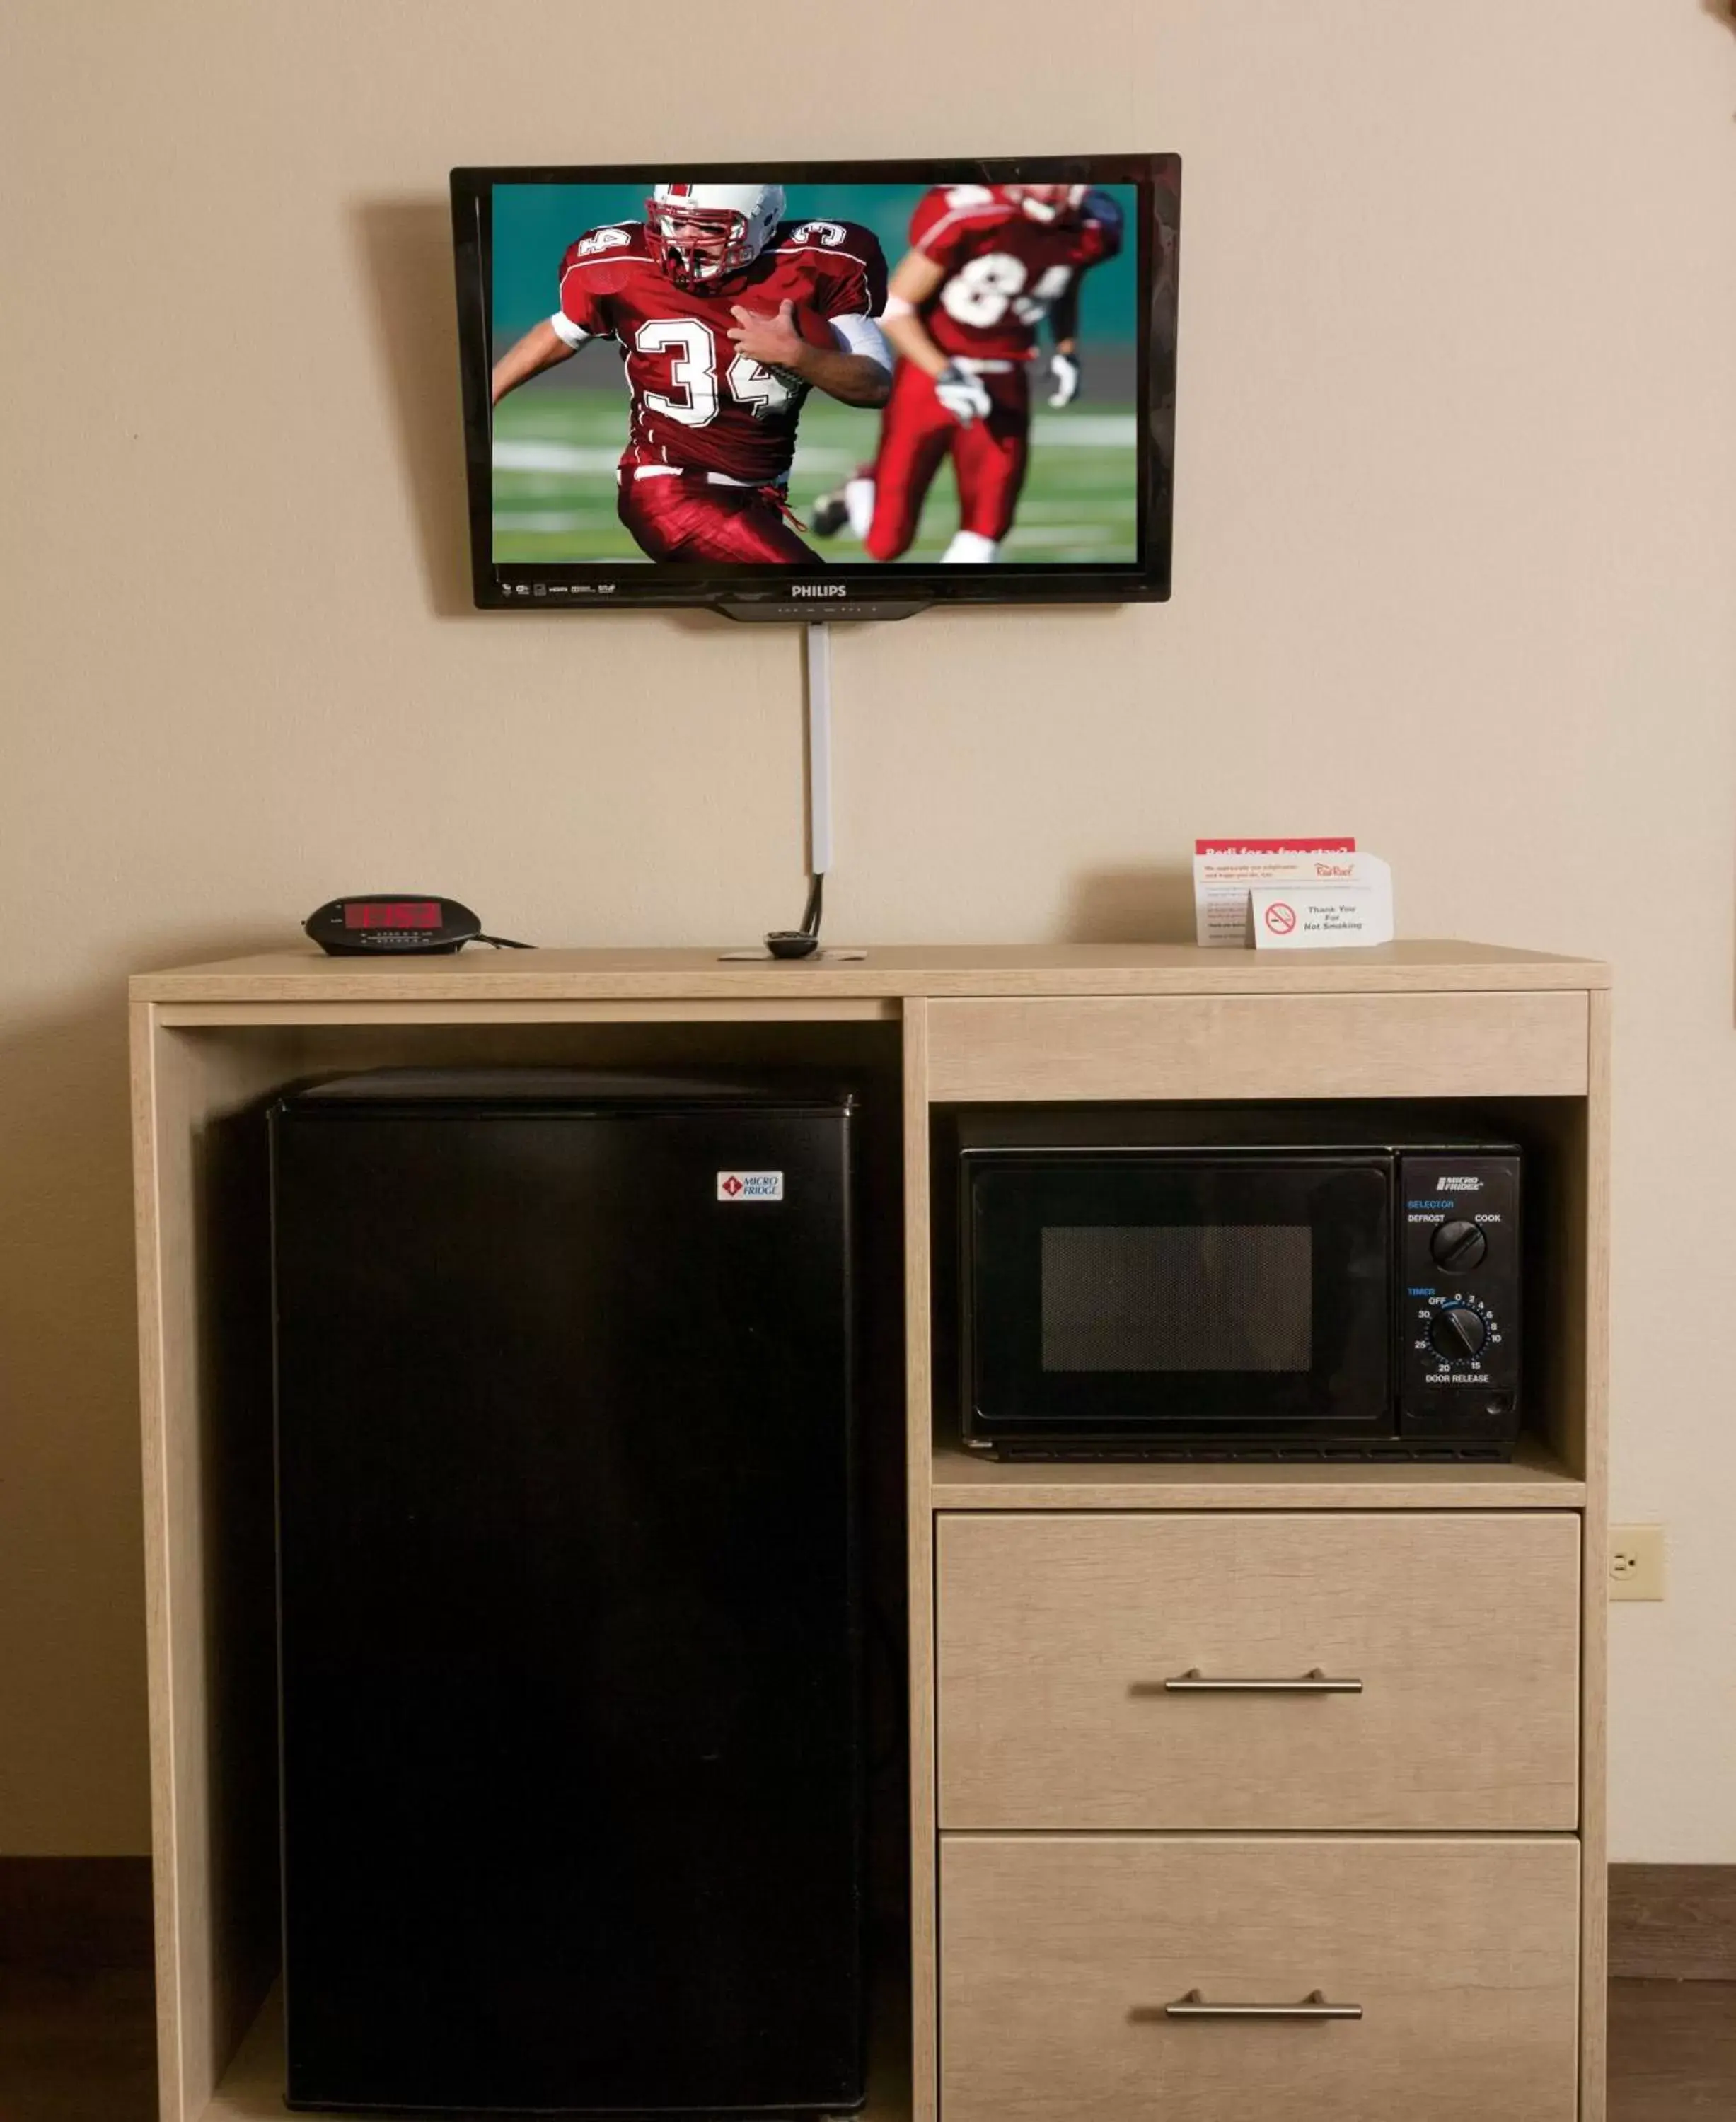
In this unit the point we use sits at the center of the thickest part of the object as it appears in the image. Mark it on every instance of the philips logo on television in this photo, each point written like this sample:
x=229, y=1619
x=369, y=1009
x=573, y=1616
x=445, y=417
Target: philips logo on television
x=750, y=1186
x=819, y=589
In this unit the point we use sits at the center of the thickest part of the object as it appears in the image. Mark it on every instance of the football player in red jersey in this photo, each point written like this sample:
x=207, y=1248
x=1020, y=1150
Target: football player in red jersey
x=727, y=316
x=987, y=263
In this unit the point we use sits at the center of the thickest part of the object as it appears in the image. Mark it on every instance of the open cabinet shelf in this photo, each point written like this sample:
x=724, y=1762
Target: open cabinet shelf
x=1536, y=1479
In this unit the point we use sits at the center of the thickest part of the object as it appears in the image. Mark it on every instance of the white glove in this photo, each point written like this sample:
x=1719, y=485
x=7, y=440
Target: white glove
x=1064, y=372
x=964, y=395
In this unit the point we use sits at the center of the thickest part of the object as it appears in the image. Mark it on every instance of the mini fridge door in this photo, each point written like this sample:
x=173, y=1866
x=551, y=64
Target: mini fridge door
x=572, y=1741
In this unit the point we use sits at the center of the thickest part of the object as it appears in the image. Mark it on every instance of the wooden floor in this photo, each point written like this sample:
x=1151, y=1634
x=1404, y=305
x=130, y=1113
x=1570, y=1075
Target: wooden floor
x=78, y=2049
x=1672, y=2051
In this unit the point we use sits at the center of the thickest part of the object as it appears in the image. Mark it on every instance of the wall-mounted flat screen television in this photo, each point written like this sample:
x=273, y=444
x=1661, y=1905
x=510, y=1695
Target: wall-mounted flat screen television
x=846, y=389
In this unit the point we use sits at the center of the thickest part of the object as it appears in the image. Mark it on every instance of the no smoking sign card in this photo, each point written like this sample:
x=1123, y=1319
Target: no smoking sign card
x=1355, y=907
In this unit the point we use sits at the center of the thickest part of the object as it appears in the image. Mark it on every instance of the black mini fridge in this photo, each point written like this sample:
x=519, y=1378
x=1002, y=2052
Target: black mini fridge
x=570, y=1616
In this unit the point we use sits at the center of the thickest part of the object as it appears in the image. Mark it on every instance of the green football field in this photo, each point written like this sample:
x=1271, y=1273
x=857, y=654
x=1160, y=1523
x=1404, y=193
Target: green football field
x=556, y=452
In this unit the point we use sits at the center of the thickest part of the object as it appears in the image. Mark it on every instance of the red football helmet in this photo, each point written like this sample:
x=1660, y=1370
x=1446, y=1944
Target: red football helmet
x=701, y=234
x=1048, y=202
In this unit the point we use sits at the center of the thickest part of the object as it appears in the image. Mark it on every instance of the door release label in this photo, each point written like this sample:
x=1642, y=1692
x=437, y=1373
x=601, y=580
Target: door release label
x=750, y=1186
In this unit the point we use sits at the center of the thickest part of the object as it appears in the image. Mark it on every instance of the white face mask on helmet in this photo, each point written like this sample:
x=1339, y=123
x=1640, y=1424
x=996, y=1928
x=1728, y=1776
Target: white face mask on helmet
x=1049, y=202
x=700, y=234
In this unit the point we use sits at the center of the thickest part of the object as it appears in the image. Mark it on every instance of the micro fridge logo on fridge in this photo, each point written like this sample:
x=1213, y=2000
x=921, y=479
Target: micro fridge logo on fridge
x=819, y=589
x=1443, y=1185
x=750, y=1186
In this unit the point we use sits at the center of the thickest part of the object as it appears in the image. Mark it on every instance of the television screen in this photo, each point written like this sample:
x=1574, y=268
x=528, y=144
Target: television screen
x=859, y=387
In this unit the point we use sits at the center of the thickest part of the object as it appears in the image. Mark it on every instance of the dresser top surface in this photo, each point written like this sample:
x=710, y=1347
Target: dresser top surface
x=891, y=972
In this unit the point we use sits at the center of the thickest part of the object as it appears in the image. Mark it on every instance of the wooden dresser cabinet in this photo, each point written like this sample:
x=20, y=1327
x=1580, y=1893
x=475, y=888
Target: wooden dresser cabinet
x=1141, y=1887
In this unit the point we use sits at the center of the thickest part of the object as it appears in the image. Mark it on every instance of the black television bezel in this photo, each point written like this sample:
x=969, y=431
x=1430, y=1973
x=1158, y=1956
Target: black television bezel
x=848, y=590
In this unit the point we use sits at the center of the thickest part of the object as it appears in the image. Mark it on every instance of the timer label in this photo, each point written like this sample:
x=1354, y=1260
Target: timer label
x=750, y=1186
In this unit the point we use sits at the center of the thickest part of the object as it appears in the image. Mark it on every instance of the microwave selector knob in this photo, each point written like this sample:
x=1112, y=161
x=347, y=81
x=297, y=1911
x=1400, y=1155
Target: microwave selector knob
x=1458, y=1246
x=1459, y=1331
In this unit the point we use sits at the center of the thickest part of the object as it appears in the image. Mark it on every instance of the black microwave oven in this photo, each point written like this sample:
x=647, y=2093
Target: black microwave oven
x=1235, y=1283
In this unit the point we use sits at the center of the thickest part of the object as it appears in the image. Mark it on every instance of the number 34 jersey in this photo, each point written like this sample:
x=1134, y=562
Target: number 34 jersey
x=697, y=401
x=1004, y=270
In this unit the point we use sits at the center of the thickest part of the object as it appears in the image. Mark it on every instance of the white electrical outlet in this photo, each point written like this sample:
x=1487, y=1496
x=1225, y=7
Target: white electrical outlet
x=1636, y=1562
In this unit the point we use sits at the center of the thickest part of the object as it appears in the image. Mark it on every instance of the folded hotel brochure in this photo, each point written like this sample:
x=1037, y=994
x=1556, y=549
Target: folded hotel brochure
x=1225, y=872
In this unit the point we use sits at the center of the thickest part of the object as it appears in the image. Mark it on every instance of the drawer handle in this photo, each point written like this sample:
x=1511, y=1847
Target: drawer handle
x=1313, y=2006
x=1196, y=1682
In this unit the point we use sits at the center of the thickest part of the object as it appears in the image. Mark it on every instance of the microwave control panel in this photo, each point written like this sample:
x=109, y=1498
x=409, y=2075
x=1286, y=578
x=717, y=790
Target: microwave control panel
x=1459, y=1309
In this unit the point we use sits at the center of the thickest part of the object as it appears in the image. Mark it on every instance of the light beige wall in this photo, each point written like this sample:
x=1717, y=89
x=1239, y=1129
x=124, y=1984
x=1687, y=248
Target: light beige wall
x=1456, y=571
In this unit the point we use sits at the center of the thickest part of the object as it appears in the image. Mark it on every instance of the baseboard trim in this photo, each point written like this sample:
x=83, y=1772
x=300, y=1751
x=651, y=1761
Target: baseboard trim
x=75, y=1914
x=1674, y=1923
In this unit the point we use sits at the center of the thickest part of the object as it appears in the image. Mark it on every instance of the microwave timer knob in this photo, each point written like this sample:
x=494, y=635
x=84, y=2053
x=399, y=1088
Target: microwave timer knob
x=1458, y=1246
x=1458, y=1331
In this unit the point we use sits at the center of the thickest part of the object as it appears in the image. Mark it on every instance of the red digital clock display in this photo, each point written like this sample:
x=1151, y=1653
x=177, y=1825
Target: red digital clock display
x=392, y=913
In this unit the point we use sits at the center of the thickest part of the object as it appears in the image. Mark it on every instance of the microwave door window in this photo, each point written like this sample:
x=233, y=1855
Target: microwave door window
x=1159, y=1294
x=1178, y=1297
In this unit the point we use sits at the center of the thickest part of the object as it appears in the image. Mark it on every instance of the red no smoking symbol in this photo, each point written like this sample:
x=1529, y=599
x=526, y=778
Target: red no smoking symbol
x=1280, y=918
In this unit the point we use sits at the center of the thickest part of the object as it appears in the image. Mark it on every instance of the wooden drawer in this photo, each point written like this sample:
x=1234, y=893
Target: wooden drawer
x=1057, y=1635
x=1260, y=1046
x=1059, y=1955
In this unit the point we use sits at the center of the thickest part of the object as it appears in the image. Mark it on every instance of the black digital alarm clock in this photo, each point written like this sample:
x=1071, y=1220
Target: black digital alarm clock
x=391, y=923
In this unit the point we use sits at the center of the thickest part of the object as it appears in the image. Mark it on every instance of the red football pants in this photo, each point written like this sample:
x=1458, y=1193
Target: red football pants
x=686, y=518
x=989, y=458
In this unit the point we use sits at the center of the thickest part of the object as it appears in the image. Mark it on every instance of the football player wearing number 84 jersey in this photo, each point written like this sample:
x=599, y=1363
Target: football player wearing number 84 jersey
x=727, y=316
x=987, y=264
